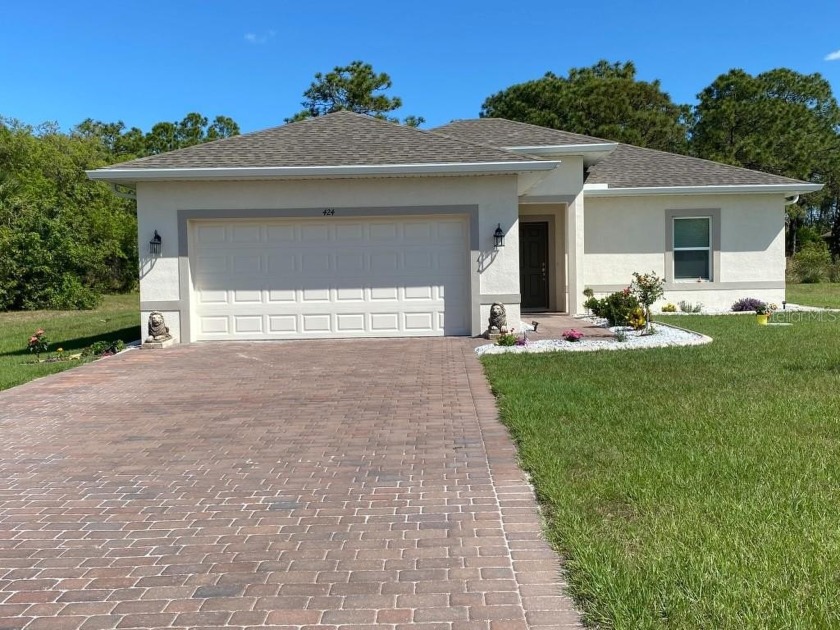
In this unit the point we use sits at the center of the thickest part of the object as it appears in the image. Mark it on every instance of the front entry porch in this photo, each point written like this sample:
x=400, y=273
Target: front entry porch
x=543, y=261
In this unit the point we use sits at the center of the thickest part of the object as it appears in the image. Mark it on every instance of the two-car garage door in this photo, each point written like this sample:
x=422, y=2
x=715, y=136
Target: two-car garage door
x=330, y=277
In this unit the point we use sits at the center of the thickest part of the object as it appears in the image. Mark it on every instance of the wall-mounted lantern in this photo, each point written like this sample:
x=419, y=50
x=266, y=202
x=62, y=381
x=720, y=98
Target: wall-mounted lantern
x=154, y=244
x=498, y=237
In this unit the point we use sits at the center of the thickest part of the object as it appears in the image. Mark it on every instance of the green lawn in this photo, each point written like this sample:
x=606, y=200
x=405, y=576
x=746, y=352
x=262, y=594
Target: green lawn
x=823, y=294
x=692, y=487
x=117, y=318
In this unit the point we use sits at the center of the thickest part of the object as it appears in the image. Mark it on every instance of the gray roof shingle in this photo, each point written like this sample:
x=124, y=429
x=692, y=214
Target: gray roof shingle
x=338, y=139
x=500, y=132
x=627, y=166
x=634, y=167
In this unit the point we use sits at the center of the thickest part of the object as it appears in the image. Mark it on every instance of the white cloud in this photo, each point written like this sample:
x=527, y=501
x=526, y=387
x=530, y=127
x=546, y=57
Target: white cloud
x=259, y=39
x=835, y=56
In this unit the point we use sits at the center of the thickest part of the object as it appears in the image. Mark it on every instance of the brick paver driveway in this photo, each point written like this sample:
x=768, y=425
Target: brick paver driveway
x=295, y=485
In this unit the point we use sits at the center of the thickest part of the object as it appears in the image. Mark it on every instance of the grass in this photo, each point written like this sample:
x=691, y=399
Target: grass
x=823, y=294
x=117, y=318
x=692, y=487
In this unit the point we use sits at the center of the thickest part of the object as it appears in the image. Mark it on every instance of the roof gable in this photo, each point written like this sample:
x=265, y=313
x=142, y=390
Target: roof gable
x=337, y=139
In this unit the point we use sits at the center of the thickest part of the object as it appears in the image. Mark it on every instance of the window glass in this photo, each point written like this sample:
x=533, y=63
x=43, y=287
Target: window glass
x=691, y=264
x=691, y=233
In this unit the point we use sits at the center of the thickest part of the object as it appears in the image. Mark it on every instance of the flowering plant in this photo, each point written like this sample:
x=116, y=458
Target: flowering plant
x=763, y=308
x=38, y=342
x=572, y=335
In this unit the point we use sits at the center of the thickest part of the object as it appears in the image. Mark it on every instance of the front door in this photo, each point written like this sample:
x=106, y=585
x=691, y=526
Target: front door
x=533, y=265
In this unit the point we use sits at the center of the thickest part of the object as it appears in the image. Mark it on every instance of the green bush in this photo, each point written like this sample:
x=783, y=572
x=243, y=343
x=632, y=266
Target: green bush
x=617, y=308
x=100, y=348
x=812, y=264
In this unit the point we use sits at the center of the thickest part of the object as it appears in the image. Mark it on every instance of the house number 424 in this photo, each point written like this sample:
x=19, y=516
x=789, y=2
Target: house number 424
x=328, y=212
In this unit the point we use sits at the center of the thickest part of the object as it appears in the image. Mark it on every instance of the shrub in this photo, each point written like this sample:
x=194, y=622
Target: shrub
x=103, y=348
x=637, y=319
x=688, y=307
x=507, y=339
x=812, y=263
x=669, y=308
x=746, y=304
x=618, y=307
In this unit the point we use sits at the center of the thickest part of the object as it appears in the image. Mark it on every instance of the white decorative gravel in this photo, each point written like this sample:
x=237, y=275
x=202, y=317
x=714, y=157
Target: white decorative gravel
x=665, y=336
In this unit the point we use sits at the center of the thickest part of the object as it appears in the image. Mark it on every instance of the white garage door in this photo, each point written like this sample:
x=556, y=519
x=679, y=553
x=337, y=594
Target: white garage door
x=285, y=279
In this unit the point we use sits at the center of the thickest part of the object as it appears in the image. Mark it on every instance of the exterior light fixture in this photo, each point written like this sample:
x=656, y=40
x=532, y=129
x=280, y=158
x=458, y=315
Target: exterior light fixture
x=498, y=237
x=154, y=244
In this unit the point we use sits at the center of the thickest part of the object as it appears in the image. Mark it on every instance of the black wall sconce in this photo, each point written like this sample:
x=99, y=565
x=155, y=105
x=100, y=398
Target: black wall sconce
x=498, y=237
x=154, y=244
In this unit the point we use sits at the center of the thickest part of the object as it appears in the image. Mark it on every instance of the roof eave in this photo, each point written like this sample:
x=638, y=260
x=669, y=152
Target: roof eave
x=599, y=190
x=132, y=175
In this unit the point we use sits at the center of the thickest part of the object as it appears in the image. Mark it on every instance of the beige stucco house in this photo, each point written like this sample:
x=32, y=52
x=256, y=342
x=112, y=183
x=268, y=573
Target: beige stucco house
x=349, y=226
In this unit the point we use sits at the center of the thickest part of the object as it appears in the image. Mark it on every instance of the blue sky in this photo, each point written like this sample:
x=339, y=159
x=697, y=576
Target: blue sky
x=146, y=61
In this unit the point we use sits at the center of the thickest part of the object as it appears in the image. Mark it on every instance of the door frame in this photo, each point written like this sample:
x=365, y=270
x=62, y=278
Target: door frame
x=552, y=257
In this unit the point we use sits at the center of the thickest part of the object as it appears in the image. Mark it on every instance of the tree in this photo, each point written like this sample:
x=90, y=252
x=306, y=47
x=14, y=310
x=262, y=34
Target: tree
x=780, y=122
x=356, y=88
x=604, y=100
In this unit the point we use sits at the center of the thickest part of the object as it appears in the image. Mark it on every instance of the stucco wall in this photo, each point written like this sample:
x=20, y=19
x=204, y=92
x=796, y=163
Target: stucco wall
x=627, y=234
x=496, y=197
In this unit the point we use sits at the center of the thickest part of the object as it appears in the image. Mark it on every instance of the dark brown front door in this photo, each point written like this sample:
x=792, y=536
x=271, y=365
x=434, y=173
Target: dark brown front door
x=533, y=265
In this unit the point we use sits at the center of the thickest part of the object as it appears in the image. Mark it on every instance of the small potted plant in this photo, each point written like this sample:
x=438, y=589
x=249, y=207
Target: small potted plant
x=763, y=311
x=572, y=335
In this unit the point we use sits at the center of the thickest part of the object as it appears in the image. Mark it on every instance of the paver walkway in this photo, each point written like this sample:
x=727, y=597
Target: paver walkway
x=322, y=485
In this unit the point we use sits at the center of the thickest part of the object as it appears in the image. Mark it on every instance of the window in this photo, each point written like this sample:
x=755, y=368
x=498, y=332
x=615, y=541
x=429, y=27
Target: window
x=692, y=248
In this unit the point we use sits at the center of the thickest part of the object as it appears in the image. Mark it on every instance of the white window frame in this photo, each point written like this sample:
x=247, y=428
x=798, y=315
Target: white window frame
x=708, y=248
x=715, y=223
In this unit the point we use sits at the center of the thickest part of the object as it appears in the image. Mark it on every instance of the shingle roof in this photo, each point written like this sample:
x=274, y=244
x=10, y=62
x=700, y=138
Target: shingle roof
x=627, y=166
x=338, y=139
x=500, y=132
x=634, y=167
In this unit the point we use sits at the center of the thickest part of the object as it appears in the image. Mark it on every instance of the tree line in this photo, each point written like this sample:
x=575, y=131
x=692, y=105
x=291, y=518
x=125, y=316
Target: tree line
x=64, y=239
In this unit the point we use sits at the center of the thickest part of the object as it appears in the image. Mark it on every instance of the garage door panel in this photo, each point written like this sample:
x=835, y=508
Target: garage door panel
x=280, y=233
x=314, y=233
x=419, y=321
x=317, y=323
x=350, y=322
x=211, y=234
x=385, y=322
x=214, y=325
x=384, y=293
x=282, y=324
x=349, y=232
x=346, y=294
x=247, y=264
x=247, y=324
x=245, y=234
x=382, y=231
x=281, y=263
x=364, y=277
x=247, y=297
x=282, y=295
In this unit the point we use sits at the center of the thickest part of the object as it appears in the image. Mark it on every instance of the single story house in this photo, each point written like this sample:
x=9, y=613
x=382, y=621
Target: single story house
x=349, y=226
